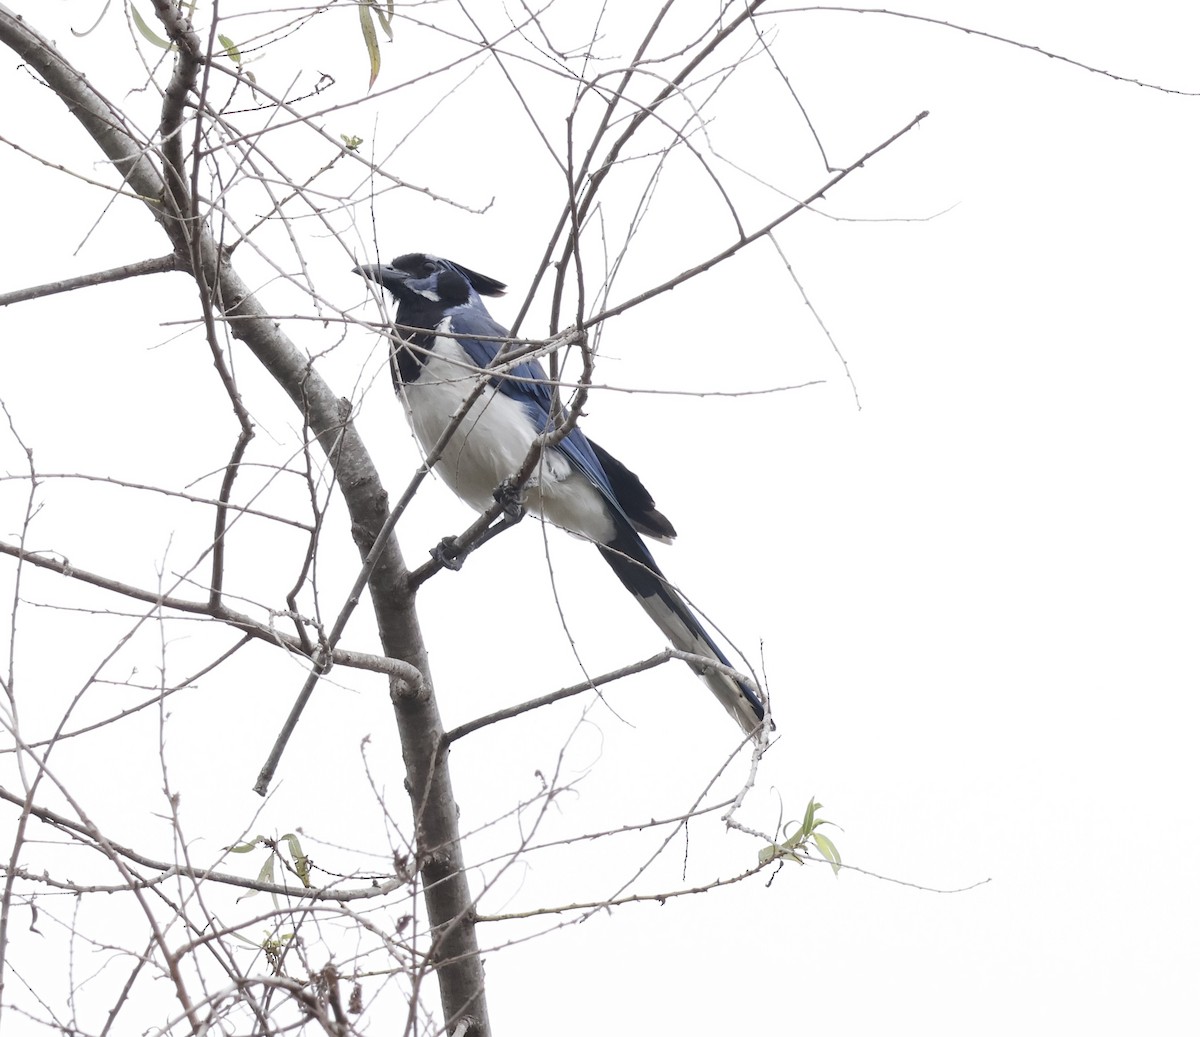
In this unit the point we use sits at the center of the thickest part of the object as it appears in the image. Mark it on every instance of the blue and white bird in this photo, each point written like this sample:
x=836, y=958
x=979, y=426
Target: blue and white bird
x=577, y=484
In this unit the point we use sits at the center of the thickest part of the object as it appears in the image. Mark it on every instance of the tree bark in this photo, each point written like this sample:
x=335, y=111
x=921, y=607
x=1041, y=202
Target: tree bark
x=455, y=950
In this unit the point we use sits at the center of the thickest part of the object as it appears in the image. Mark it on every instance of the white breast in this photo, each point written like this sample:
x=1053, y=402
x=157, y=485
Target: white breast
x=492, y=441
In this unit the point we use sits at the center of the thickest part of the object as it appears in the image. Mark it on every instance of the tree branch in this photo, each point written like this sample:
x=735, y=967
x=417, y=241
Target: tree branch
x=159, y=265
x=398, y=669
x=762, y=231
x=447, y=893
x=1007, y=40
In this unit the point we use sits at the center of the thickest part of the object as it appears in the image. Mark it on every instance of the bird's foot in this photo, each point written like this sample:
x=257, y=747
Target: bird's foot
x=510, y=496
x=448, y=554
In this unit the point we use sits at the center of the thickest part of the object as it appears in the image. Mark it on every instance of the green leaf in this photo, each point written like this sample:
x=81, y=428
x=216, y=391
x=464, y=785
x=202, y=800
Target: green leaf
x=828, y=850
x=807, y=825
x=371, y=40
x=798, y=842
x=299, y=860
x=231, y=49
x=385, y=20
x=150, y=35
x=267, y=872
x=244, y=847
x=776, y=852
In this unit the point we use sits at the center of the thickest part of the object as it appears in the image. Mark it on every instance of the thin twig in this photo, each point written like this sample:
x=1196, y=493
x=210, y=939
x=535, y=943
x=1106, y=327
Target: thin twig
x=762, y=231
x=1007, y=40
x=563, y=693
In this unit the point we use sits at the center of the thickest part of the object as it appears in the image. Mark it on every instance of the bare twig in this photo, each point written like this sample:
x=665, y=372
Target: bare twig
x=563, y=693
x=159, y=265
x=1006, y=40
x=169, y=869
x=762, y=231
x=396, y=668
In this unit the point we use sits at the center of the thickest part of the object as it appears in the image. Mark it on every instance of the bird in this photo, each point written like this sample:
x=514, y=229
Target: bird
x=577, y=485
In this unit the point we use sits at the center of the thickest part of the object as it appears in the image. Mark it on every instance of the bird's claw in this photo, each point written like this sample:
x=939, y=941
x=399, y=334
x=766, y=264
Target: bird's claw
x=509, y=496
x=447, y=553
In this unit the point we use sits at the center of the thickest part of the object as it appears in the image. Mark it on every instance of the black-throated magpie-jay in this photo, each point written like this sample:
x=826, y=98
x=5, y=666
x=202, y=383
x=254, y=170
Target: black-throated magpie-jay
x=576, y=485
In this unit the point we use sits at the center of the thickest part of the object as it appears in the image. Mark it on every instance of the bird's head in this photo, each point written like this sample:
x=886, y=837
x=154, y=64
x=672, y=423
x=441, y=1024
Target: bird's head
x=418, y=276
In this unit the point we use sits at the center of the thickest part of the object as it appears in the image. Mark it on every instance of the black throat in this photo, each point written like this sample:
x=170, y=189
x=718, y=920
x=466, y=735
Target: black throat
x=410, y=349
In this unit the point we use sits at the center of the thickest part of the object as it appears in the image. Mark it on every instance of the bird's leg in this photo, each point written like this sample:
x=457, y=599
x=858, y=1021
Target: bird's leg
x=508, y=495
x=449, y=554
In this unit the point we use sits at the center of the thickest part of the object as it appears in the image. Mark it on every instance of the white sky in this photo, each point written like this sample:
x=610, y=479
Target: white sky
x=975, y=595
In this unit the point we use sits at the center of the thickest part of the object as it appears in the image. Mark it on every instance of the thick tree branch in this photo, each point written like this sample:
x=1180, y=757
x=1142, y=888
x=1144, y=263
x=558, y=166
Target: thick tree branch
x=447, y=894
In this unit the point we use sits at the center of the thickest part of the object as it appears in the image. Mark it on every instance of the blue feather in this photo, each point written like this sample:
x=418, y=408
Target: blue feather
x=443, y=298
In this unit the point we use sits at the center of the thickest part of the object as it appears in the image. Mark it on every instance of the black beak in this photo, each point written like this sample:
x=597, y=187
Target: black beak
x=385, y=275
x=373, y=272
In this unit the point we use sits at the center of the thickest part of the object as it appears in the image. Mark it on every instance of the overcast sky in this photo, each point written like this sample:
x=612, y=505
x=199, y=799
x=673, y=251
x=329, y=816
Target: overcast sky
x=965, y=559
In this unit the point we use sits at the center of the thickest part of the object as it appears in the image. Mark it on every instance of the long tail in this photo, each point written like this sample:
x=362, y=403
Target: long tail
x=635, y=567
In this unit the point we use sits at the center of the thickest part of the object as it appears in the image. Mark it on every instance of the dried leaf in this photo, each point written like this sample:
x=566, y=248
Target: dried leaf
x=371, y=40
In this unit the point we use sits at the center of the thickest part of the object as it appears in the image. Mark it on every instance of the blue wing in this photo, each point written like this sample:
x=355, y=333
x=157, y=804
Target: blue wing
x=626, y=553
x=530, y=387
